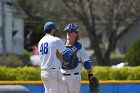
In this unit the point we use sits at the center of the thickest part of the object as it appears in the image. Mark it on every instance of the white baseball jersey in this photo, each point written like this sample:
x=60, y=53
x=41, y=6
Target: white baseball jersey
x=47, y=48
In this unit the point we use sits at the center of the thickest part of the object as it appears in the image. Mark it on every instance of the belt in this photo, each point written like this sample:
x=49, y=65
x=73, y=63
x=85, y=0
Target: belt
x=70, y=74
x=49, y=68
x=55, y=68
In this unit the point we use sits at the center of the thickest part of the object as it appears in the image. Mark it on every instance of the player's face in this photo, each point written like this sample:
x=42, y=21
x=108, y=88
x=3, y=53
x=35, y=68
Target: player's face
x=71, y=36
x=53, y=32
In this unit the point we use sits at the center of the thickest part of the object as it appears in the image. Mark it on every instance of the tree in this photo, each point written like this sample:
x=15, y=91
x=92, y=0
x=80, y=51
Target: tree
x=33, y=21
x=133, y=53
x=108, y=18
x=43, y=10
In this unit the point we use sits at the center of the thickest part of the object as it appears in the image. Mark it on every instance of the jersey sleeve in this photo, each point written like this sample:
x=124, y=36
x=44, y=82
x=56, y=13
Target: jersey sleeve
x=84, y=55
x=85, y=58
x=61, y=46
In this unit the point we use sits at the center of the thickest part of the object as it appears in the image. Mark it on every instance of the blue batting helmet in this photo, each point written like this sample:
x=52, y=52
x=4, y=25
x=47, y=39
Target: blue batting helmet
x=49, y=26
x=71, y=27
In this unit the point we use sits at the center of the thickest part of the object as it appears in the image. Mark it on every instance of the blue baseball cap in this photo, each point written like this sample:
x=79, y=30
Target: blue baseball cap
x=49, y=26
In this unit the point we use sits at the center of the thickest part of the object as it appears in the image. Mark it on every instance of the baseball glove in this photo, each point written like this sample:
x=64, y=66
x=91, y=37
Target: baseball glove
x=59, y=56
x=93, y=84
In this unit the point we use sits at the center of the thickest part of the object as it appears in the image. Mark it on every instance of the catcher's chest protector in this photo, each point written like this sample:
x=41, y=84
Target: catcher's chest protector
x=74, y=61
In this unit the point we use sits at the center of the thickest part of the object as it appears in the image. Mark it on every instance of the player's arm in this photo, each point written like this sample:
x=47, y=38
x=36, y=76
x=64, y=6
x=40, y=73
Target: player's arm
x=86, y=61
x=93, y=81
x=67, y=56
x=87, y=66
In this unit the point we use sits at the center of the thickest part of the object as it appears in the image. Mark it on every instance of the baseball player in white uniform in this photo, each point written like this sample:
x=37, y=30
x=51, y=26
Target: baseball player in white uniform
x=50, y=64
x=72, y=77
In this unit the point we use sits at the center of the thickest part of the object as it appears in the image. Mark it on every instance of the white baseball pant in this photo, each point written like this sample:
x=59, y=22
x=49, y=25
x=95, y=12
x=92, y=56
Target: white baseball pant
x=71, y=83
x=51, y=80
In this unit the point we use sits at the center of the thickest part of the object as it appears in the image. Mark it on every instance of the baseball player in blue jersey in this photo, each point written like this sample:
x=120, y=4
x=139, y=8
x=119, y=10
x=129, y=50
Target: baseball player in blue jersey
x=50, y=64
x=71, y=76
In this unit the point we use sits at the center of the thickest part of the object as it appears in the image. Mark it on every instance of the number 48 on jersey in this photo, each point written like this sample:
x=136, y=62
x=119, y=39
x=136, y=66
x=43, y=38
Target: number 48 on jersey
x=44, y=48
